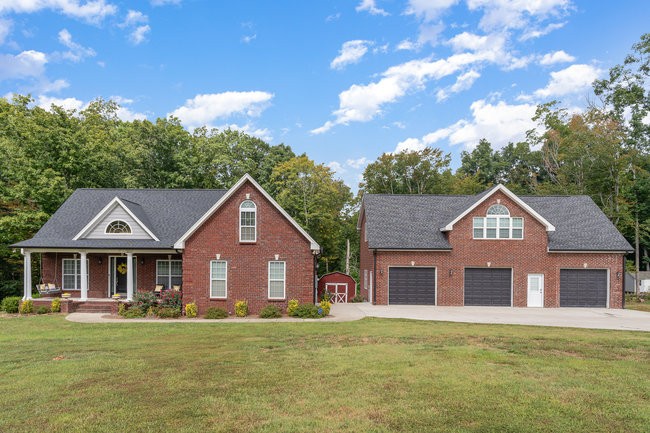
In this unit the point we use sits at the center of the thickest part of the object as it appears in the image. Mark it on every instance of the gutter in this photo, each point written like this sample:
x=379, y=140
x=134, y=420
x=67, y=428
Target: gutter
x=374, y=280
x=623, y=284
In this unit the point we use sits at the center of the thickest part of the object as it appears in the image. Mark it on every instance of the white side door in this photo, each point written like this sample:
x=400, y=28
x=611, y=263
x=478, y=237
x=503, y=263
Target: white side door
x=535, y=290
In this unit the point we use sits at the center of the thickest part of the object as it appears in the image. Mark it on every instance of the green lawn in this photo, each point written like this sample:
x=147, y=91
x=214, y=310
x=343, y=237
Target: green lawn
x=634, y=304
x=370, y=375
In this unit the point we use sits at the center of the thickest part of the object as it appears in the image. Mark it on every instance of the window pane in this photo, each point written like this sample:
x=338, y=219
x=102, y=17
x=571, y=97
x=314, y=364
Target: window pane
x=276, y=270
x=276, y=289
x=491, y=222
x=247, y=205
x=163, y=267
x=219, y=270
x=69, y=266
x=176, y=267
x=218, y=289
x=478, y=222
x=248, y=218
x=504, y=222
x=498, y=209
x=177, y=281
x=517, y=233
x=163, y=280
x=504, y=233
x=491, y=233
x=248, y=233
x=478, y=233
x=68, y=282
x=518, y=222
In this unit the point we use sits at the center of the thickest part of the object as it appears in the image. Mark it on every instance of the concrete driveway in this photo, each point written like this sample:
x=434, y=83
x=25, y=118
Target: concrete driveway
x=593, y=318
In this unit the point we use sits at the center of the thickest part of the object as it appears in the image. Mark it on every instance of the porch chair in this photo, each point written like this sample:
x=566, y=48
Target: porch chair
x=158, y=289
x=51, y=288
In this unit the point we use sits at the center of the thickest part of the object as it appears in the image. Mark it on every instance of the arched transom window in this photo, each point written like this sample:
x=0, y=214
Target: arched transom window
x=498, y=224
x=247, y=221
x=118, y=227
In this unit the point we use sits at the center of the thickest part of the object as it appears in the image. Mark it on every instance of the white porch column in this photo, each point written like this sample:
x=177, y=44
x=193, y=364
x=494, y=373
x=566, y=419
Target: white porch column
x=27, y=277
x=84, y=276
x=129, y=276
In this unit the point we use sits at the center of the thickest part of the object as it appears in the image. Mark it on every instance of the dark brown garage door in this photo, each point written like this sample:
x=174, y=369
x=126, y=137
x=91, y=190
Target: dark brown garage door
x=412, y=286
x=488, y=287
x=583, y=288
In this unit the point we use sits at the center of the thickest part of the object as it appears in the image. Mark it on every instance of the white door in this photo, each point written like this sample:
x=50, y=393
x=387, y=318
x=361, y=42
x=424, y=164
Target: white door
x=535, y=290
x=339, y=292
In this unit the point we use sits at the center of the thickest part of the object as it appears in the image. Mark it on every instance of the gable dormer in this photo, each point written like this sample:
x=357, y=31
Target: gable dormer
x=119, y=219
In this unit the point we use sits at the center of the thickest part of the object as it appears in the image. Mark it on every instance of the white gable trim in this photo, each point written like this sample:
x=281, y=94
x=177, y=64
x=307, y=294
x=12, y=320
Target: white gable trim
x=180, y=244
x=104, y=212
x=513, y=197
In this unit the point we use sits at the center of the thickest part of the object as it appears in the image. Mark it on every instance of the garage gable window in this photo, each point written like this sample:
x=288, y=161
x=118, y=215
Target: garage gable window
x=247, y=221
x=498, y=224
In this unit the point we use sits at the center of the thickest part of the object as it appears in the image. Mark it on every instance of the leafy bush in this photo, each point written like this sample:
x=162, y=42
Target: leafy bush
x=42, y=310
x=270, y=312
x=291, y=307
x=171, y=299
x=326, y=296
x=11, y=304
x=132, y=313
x=326, y=306
x=121, y=309
x=308, y=311
x=10, y=289
x=191, y=310
x=168, y=313
x=358, y=298
x=56, y=305
x=215, y=313
x=26, y=307
x=152, y=312
x=144, y=300
x=241, y=308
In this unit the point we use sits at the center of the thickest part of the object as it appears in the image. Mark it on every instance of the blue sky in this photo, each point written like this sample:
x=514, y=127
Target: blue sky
x=343, y=81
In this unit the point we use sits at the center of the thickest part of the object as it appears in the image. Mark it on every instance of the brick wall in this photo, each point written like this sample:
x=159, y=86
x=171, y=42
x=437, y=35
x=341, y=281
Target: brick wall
x=247, y=263
x=526, y=256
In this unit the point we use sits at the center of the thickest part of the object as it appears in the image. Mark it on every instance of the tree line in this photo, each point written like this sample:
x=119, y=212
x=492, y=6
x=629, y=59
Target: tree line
x=603, y=152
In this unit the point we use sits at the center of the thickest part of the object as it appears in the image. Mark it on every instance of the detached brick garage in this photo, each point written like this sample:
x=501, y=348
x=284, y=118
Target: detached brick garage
x=494, y=249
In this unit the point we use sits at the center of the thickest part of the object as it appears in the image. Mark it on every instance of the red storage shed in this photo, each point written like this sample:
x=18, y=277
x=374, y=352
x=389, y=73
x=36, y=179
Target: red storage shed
x=342, y=287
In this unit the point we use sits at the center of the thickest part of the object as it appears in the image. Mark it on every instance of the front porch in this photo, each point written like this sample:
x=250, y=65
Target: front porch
x=94, y=276
x=75, y=305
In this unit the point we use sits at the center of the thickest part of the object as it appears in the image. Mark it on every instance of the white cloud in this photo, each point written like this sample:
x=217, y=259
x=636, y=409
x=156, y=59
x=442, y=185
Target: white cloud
x=250, y=129
x=46, y=86
x=165, y=2
x=139, y=35
x=463, y=82
x=499, y=123
x=407, y=45
x=46, y=102
x=5, y=29
x=350, y=52
x=429, y=10
x=516, y=14
x=92, y=11
x=333, y=17
x=371, y=7
x=556, y=57
x=574, y=79
x=357, y=163
x=534, y=32
x=134, y=18
x=26, y=64
x=336, y=167
x=76, y=52
x=204, y=109
x=249, y=38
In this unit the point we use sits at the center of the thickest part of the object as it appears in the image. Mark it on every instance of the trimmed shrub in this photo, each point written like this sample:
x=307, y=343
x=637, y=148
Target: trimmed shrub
x=121, y=309
x=215, y=313
x=152, y=312
x=11, y=289
x=270, y=312
x=56, y=305
x=241, y=308
x=168, y=313
x=191, y=310
x=171, y=299
x=42, y=310
x=11, y=304
x=291, y=307
x=308, y=311
x=326, y=296
x=26, y=307
x=133, y=313
x=358, y=298
x=326, y=306
x=144, y=300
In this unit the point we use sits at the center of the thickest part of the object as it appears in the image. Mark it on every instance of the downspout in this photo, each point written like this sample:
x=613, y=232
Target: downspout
x=315, y=279
x=623, y=278
x=374, y=279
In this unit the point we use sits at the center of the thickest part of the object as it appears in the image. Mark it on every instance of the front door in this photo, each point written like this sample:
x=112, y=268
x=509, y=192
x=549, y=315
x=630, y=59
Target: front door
x=117, y=275
x=535, y=290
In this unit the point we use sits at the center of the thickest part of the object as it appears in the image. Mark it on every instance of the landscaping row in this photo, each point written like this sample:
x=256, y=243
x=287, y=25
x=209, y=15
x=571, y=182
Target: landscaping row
x=15, y=304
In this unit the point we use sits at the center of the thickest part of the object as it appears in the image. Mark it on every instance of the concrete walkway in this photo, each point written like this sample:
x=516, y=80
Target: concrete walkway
x=592, y=318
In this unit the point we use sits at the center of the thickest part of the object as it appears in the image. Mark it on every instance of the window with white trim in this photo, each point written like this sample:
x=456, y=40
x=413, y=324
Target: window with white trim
x=277, y=280
x=247, y=221
x=498, y=224
x=72, y=274
x=169, y=273
x=218, y=279
x=118, y=227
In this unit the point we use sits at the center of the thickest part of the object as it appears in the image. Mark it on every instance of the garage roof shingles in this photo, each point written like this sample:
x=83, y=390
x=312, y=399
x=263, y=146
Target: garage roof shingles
x=414, y=222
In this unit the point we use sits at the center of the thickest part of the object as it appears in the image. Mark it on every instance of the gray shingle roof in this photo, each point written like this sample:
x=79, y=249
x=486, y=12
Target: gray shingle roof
x=168, y=213
x=414, y=221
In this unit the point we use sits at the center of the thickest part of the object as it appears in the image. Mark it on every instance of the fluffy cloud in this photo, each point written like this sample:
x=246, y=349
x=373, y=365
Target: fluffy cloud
x=536, y=32
x=357, y=163
x=371, y=7
x=26, y=64
x=76, y=52
x=463, y=82
x=336, y=167
x=204, y=109
x=428, y=10
x=407, y=45
x=92, y=11
x=574, y=79
x=139, y=35
x=556, y=57
x=351, y=52
x=517, y=14
x=165, y=2
x=5, y=29
x=499, y=123
x=250, y=129
x=46, y=103
x=134, y=18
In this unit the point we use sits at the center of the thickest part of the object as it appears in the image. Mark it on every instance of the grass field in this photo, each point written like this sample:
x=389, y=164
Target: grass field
x=373, y=375
x=634, y=304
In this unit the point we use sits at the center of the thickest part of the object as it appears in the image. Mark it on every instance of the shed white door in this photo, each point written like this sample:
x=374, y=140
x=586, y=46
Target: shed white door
x=535, y=290
x=339, y=292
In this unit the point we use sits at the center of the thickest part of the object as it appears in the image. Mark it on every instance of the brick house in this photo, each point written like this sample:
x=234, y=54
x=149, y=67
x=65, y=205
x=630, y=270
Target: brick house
x=493, y=248
x=218, y=246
